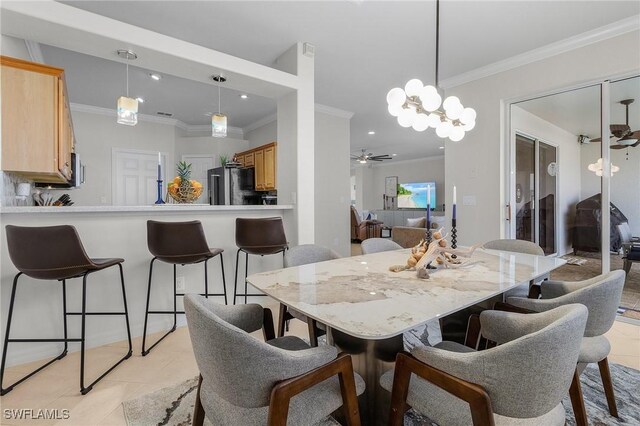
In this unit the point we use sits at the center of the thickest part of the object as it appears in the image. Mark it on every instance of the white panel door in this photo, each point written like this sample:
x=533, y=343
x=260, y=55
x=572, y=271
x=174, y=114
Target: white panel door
x=135, y=175
x=200, y=164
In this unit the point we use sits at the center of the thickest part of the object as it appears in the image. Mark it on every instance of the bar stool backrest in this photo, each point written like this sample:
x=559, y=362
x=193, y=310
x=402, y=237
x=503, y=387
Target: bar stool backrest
x=172, y=240
x=47, y=252
x=517, y=246
x=261, y=236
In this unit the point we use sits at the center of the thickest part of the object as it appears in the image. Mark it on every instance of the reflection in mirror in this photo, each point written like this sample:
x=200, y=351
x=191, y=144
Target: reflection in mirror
x=555, y=198
x=625, y=188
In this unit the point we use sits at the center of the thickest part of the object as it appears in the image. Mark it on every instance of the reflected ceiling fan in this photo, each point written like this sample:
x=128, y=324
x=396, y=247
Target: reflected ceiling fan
x=622, y=133
x=366, y=157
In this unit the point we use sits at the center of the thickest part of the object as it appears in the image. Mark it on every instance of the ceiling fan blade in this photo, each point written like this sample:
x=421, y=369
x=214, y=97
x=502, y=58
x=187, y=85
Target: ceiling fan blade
x=374, y=159
x=619, y=129
x=617, y=146
x=382, y=157
x=596, y=140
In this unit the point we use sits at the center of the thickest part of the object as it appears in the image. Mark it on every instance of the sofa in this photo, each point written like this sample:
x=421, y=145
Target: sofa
x=409, y=236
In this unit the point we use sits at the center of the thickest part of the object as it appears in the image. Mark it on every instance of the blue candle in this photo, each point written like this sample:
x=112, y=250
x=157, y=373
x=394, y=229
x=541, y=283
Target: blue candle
x=428, y=206
x=454, y=203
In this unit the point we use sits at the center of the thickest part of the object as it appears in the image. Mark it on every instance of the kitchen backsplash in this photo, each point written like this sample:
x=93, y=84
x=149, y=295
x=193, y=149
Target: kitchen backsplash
x=9, y=185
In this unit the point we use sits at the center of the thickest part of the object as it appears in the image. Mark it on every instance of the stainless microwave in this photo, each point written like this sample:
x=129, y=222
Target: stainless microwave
x=77, y=176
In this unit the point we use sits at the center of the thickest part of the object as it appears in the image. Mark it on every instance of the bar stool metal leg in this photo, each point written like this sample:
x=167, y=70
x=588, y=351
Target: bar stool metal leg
x=246, y=273
x=7, y=340
x=206, y=281
x=174, y=312
x=64, y=314
x=224, y=282
x=84, y=390
x=235, y=282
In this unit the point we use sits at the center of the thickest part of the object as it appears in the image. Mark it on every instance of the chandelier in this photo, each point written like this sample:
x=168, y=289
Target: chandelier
x=598, y=168
x=127, y=108
x=420, y=107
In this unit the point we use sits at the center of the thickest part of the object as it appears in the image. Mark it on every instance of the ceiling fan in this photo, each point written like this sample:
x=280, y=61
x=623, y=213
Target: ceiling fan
x=625, y=138
x=364, y=157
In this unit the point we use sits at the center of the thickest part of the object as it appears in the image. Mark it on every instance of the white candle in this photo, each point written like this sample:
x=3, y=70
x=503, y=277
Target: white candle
x=428, y=195
x=159, y=159
x=454, y=194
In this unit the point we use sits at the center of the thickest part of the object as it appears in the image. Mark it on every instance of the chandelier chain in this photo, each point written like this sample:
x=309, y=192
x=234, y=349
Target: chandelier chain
x=437, y=42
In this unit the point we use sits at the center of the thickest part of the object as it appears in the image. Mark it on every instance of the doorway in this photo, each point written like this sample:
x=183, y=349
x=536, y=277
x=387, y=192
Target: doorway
x=535, y=193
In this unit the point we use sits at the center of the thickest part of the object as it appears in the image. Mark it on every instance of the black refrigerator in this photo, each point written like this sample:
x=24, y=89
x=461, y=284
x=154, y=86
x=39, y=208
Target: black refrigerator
x=232, y=186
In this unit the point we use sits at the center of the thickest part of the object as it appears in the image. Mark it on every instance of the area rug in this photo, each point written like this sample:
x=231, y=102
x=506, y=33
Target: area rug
x=173, y=406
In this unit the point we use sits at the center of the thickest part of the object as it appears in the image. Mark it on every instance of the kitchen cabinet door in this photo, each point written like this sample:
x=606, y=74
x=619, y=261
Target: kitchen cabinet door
x=270, y=168
x=249, y=160
x=65, y=140
x=259, y=170
x=29, y=121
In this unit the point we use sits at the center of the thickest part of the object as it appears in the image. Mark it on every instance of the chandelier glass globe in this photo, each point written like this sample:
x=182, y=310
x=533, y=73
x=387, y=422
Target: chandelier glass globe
x=468, y=115
x=456, y=134
x=421, y=123
x=407, y=117
x=444, y=129
x=396, y=97
x=395, y=110
x=413, y=87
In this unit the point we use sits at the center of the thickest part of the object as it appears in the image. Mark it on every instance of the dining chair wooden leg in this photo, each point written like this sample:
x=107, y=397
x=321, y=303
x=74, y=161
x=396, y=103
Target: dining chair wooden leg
x=198, y=409
x=608, y=386
x=577, y=400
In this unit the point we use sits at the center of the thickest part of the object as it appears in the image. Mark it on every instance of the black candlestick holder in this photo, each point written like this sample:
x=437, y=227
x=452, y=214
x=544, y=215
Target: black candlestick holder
x=159, y=200
x=454, y=234
x=427, y=235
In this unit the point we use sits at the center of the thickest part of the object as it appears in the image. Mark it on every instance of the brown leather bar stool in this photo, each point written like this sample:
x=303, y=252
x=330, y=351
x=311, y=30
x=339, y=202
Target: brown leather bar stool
x=258, y=237
x=56, y=253
x=179, y=243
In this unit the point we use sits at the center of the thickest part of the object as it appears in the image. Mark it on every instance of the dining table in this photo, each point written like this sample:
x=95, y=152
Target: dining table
x=366, y=307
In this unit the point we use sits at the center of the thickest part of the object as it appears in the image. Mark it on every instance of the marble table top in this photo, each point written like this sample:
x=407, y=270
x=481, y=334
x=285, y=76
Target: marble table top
x=358, y=295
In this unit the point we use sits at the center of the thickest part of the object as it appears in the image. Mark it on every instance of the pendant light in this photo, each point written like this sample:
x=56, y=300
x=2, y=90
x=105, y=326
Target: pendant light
x=219, y=120
x=418, y=106
x=127, y=108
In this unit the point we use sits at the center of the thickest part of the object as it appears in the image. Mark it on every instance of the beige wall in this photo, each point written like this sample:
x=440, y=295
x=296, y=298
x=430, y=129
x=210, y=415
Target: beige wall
x=262, y=135
x=476, y=164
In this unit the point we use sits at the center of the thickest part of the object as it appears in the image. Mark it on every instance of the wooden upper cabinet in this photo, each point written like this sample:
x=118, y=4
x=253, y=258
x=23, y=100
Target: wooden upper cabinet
x=259, y=170
x=37, y=134
x=264, y=161
x=249, y=160
x=270, y=168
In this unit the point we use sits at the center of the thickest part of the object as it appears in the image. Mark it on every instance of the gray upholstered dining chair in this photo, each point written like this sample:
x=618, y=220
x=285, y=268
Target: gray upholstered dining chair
x=303, y=255
x=519, y=246
x=601, y=295
x=245, y=381
x=377, y=245
x=455, y=385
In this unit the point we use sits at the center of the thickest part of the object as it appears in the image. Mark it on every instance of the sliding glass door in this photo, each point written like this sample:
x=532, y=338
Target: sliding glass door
x=535, y=192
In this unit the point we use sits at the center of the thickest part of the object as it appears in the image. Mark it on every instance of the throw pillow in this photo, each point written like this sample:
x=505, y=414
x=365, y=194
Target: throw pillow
x=419, y=222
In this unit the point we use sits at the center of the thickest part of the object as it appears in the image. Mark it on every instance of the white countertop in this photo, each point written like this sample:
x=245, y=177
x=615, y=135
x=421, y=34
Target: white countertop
x=173, y=208
x=361, y=297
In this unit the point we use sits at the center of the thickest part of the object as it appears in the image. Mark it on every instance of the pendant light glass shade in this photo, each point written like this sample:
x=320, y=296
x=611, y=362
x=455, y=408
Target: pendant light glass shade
x=127, y=111
x=219, y=125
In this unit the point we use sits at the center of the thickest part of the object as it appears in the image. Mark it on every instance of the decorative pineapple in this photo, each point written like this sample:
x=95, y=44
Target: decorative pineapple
x=183, y=189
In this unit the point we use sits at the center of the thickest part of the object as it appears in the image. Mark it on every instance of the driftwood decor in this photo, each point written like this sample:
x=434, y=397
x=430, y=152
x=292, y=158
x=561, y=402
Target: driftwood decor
x=423, y=255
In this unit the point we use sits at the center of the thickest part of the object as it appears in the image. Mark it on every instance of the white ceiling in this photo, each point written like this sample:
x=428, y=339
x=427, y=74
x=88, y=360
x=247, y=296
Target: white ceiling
x=99, y=82
x=364, y=48
x=578, y=111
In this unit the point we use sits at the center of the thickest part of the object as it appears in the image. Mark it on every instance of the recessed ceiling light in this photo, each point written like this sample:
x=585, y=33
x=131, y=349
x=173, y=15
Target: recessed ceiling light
x=442, y=147
x=155, y=77
x=393, y=155
x=139, y=99
x=243, y=96
x=371, y=132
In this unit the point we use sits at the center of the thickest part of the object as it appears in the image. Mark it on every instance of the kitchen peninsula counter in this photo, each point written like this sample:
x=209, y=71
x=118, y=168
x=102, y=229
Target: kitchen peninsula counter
x=121, y=231
x=170, y=208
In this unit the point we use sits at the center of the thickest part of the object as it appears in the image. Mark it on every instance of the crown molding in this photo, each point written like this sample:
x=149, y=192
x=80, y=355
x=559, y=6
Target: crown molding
x=324, y=109
x=188, y=128
x=262, y=122
x=606, y=32
x=35, y=53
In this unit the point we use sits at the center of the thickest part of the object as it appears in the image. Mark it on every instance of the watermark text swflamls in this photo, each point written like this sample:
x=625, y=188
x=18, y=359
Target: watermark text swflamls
x=36, y=414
